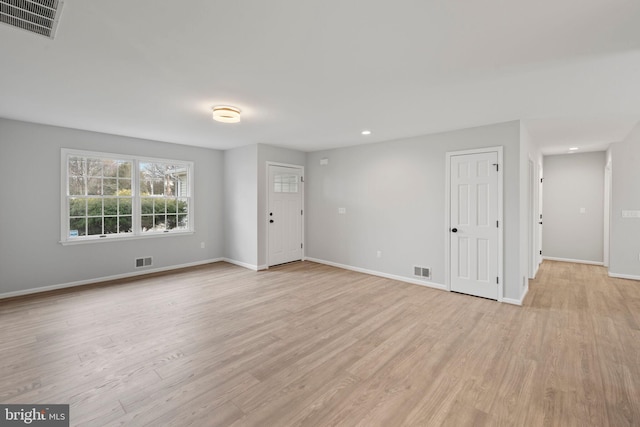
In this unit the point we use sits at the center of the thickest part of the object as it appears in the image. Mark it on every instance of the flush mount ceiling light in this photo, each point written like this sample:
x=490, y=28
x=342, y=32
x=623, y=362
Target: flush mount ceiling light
x=366, y=132
x=573, y=148
x=226, y=114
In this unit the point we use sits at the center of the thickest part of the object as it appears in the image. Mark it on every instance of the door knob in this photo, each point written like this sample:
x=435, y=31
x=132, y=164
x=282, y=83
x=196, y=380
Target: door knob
x=454, y=230
x=271, y=221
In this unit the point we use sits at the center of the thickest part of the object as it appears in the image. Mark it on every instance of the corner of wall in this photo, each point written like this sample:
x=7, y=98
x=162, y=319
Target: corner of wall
x=624, y=260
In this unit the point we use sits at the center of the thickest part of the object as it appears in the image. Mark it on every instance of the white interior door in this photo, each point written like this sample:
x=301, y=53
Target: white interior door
x=474, y=224
x=540, y=185
x=285, y=214
x=531, y=222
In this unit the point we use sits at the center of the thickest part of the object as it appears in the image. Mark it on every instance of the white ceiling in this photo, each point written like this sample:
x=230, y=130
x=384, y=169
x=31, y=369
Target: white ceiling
x=312, y=74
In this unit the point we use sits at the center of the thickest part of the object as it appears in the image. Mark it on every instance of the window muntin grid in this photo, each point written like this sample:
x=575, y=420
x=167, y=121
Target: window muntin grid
x=99, y=196
x=163, y=187
x=285, y=183
x=108, y=196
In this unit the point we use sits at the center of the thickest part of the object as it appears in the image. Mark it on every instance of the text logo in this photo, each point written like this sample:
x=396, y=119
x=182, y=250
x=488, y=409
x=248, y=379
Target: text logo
x=34, y=415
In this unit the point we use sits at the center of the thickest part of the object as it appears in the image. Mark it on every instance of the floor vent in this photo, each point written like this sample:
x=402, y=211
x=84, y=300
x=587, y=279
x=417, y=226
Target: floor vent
x=423, y=272
x=144, y=262
x=36, y=16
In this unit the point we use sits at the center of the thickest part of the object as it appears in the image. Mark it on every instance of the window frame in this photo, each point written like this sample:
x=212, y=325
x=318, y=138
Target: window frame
x=136, y=198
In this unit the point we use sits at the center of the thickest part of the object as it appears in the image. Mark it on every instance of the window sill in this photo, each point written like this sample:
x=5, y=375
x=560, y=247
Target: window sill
x=117, y=238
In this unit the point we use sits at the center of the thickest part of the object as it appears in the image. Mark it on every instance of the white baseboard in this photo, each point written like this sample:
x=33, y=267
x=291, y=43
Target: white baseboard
x=405, y=279
x=241, y=264
x=576, y=261
x=105, y=279
x=245, y=265
x=517, y=301
x=380, y=274
x=624, y=276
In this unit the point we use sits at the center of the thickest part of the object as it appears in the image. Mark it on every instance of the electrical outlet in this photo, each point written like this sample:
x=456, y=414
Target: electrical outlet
x=379, y=254
x=201, y=245
x=342, y=211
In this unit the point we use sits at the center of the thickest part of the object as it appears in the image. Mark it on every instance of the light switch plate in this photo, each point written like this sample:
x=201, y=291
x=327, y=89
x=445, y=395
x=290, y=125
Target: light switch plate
x=630, y=214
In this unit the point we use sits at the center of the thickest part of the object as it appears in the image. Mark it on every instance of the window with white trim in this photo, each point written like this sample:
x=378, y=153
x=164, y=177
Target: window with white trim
x=111, y=196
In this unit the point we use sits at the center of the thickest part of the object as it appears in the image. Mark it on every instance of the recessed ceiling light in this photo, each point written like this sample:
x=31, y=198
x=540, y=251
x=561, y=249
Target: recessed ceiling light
x=226, y=114
x=573, y=148
x=366, y=132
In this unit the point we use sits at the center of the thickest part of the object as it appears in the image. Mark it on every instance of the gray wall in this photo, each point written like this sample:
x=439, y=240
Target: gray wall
x=245, y=200
x=268, y=153
x=625, y=232
x=394, y=195
x=241, y=205
x=30, y=253
x=572, y=182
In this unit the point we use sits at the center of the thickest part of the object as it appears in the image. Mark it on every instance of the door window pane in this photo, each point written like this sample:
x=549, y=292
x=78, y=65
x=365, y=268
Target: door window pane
x=285, y=183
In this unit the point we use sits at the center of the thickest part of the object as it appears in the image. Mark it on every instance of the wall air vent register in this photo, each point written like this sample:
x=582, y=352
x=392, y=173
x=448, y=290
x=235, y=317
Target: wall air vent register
x=36, y=16
x=422, y=272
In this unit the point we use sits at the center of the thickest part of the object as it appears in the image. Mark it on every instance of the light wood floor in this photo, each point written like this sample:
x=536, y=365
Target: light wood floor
x=307, y=344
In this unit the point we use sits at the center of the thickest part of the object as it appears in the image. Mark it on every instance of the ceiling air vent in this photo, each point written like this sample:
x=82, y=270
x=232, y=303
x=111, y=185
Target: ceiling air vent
x=36, y=16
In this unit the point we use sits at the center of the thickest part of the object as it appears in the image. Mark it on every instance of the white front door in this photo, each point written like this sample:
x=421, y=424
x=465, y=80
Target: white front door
x=285, y=214
x=474, y=224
